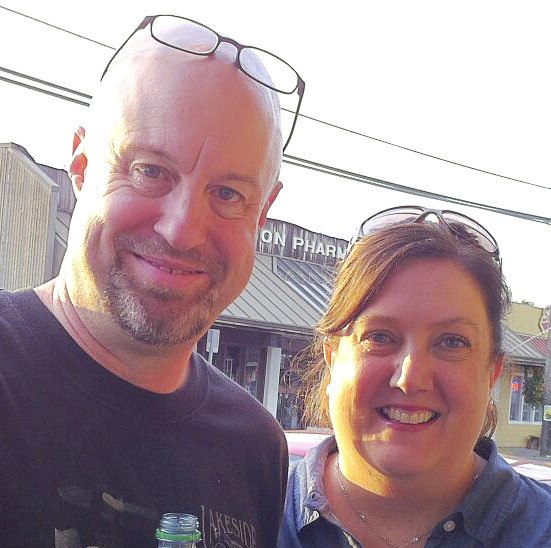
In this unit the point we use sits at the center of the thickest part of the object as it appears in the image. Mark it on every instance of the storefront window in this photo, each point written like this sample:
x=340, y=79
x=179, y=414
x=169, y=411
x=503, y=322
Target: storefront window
x=251, y=372
x=289, y=402
x=520, y=411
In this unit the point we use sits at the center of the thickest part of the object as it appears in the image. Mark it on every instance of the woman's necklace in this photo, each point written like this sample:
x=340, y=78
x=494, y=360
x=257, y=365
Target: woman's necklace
x=413, y=540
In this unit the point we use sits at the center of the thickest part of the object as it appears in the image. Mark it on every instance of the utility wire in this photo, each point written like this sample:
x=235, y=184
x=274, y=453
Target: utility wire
x=46, y=91
x=309, y=164
x=57, y=28
x=330, y=170
x=416, y=151
x=45, y=82
x=329, y=124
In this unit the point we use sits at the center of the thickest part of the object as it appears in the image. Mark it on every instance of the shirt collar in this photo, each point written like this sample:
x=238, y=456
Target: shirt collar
x=481, y=513
x=315, y=504
x=484, y=509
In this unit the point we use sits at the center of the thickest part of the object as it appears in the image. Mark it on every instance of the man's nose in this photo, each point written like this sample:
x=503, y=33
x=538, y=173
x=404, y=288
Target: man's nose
x=414, y=373
x=183, y=218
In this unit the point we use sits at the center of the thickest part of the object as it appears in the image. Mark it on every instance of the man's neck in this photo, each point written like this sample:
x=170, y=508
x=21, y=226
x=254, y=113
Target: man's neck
x=161, y=370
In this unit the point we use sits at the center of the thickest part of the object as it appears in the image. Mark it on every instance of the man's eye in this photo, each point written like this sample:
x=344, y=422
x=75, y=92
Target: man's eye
x=151, y=179
x=228, y=194
x=228, y=203
x=149, y=170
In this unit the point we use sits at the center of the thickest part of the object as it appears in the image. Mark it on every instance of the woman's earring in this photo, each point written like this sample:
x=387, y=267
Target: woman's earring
x=490, y=420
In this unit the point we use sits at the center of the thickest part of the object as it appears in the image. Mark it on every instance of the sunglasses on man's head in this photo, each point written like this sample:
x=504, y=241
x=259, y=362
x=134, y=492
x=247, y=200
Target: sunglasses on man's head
x=458, y=224
x=195, y=38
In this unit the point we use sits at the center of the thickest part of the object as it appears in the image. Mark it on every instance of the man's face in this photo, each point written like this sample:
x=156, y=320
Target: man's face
x=179, y=175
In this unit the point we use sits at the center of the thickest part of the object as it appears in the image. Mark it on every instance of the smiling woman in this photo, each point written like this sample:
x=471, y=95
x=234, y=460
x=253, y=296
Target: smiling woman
x=407, y=353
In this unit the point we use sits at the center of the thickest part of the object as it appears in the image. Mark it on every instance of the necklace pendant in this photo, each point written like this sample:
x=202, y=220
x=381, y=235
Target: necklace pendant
x=414, y=540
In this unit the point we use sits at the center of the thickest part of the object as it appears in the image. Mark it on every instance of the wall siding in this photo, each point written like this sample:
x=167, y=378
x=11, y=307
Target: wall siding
x=28, y=201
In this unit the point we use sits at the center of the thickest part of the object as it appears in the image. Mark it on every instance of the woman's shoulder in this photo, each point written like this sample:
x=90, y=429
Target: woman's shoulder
x=525, y=518
x=535, y=493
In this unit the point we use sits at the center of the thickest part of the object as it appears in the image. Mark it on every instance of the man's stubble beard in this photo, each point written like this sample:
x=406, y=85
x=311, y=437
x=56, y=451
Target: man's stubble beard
x=176, y=318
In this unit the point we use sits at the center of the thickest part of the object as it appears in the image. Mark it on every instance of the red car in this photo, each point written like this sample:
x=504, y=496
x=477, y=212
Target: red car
x=299, y=441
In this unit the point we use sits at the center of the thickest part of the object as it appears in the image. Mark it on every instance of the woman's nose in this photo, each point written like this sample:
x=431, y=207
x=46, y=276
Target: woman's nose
x=413, y=373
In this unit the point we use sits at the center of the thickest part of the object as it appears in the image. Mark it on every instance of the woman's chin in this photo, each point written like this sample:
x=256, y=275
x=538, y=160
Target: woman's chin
x=399, y=461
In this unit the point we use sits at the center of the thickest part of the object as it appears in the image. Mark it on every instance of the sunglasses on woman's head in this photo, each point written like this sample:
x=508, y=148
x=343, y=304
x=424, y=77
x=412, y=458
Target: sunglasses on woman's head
x=458, y=224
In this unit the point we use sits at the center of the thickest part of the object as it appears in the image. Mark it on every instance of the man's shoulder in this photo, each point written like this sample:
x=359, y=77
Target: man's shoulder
x=15, y=307
x=6, y=302
x=29, y=333
x=16, y=304
x=227, y=388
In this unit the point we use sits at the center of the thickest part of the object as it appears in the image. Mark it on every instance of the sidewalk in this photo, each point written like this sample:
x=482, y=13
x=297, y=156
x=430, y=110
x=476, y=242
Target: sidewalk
x=521, y=453
x=528, y=462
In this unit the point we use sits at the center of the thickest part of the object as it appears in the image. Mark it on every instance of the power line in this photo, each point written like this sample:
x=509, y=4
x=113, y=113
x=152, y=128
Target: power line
x=330, y=170
x=318, y=120
x=308, y=164
x=418, y=152
x=46, y=91
x=57, y=28
x=45, y=82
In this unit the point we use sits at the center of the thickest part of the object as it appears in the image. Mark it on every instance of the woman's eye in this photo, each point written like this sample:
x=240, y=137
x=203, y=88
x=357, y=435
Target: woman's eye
x=454, y=341
x=376, y=339
x=379, y=337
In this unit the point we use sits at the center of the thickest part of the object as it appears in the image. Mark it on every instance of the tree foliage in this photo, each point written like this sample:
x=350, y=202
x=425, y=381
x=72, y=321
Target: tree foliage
x=533, y=386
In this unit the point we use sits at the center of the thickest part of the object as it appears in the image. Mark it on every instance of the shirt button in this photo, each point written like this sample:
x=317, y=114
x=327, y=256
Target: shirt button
x=449, y=526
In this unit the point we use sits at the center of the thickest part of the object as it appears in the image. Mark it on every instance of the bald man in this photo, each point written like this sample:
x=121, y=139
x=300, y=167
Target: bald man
x=108, y=419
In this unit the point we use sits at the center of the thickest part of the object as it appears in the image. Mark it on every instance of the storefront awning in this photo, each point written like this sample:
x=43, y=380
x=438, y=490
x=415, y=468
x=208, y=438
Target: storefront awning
x=524, y=349
x=283, y=295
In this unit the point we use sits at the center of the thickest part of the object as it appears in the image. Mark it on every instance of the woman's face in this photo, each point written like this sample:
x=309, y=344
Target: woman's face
x=410, y=383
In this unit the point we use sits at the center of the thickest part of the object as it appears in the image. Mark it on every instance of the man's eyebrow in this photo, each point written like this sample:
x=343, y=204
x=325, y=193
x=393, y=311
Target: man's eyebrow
x=234, y=176
x=132, y=148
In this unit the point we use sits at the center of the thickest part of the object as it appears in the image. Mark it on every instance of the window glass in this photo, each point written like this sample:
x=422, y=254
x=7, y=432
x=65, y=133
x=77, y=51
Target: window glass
x=252, y=371
x=519, y=410
x=516, y=397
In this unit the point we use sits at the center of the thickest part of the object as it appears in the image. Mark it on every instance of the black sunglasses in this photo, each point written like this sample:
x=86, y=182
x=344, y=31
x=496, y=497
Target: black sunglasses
x=192, y=37
x=458, y=224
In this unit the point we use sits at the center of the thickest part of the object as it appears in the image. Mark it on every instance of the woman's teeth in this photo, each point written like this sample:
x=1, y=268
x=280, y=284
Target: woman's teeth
x=417, y=417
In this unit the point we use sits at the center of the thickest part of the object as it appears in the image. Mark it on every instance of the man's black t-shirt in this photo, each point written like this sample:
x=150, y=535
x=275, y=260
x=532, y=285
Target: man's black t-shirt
x=87, y=459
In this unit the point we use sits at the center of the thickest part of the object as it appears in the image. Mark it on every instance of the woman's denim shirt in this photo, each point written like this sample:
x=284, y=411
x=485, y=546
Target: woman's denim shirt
x=502, y=510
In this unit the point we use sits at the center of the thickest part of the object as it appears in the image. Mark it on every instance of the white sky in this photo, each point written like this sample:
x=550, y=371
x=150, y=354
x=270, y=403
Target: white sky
x=467, y=81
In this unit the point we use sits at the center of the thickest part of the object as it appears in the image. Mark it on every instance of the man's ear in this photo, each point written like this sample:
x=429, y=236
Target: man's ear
x=77, y=169
x=271, y=198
